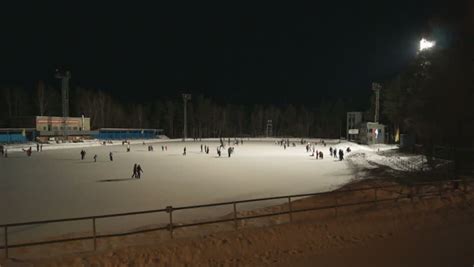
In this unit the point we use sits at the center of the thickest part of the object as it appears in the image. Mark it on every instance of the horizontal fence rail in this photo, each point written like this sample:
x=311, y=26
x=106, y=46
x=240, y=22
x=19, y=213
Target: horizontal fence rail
x=413, y=192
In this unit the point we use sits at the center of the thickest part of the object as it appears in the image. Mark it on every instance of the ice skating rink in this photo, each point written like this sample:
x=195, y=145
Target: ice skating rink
x=56, y=184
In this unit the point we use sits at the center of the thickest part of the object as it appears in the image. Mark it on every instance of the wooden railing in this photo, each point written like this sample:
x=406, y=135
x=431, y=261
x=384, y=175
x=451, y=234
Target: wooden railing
x=414, y=191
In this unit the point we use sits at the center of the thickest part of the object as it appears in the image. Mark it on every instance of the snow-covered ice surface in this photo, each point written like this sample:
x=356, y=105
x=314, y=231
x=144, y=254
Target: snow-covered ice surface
x=56, y=184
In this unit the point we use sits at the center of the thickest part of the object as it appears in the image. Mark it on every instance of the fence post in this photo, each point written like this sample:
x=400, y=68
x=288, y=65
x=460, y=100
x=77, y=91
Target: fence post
x=440, y=189
x=169, y=210
x=375, y=195
x=95, y=233
x=235, y=216
x=6, y=242
x=291, y=209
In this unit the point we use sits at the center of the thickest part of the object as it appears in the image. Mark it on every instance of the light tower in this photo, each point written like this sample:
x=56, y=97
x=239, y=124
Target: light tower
x=186, y=97
x=376, y=88
x=64, y=77
x=269, y=128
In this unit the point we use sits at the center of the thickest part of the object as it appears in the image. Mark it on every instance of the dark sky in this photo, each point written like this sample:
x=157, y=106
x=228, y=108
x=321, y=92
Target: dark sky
x=266, y=53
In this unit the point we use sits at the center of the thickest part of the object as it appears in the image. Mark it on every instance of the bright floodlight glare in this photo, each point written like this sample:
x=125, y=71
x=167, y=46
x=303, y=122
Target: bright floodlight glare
x=425, y=44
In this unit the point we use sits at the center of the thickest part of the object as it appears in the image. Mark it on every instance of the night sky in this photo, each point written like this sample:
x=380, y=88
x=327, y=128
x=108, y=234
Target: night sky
x=266, y=53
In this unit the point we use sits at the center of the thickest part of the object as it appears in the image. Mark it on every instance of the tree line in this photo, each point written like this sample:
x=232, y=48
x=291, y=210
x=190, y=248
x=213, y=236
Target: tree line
x=206, y=118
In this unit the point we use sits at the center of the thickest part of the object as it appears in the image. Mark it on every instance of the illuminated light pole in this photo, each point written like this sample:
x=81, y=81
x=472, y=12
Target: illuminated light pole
x=426, y=44
x=186, y=97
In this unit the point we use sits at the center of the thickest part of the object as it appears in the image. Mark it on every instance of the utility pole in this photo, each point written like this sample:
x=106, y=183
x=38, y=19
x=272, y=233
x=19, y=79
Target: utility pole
x=186, y=97
x=376, y=87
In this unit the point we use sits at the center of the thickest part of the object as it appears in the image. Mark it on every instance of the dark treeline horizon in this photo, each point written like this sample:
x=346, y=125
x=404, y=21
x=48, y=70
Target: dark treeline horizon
x=206, y=116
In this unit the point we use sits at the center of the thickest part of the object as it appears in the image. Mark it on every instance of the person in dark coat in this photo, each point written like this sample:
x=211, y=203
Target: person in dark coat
x=341, y=154
x=111, y=156
x=134, y=175
x=139, y=171
x=184, y=151
x=83, y=154
x=95, y=158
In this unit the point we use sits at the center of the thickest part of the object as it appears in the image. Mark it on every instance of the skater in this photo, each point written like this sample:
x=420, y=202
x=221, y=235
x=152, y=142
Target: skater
x=27, y=151
x=184, y=151
x=219, y=151
x=330, y=150
x=83, y=154
x=37, y=147
x=207, y=149
x=317, y=154
x=128, y=147
x=166, y=148
x=229, y=151
x=201, y=148
x=41, y=147
x=335, y=152
x=95, y=158
x=139, y=171
x=111, y=156
x=341, y=154
x=162, y=148
x=134, y=175
x=321, y=154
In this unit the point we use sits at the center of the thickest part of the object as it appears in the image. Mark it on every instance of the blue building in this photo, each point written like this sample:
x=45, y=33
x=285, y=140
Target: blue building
x=125, y=134
x=16, y=135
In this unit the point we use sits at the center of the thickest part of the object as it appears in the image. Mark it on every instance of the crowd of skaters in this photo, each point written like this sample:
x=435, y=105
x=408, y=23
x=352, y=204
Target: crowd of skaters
x=137, y=169
x=311, y=148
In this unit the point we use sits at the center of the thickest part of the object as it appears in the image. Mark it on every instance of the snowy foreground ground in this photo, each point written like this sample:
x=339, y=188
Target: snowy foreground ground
x=56, y=184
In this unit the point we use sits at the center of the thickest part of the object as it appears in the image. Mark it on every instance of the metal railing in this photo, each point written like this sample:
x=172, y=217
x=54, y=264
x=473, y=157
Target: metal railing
x=414, y=191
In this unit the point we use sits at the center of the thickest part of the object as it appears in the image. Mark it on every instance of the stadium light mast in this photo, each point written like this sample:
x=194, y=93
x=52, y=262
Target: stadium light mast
x=426, y=44
x=376, y=87
x=186, y=98
x=64, y=77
